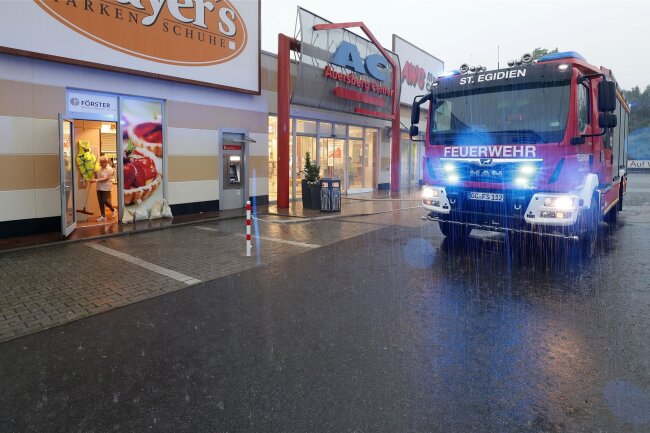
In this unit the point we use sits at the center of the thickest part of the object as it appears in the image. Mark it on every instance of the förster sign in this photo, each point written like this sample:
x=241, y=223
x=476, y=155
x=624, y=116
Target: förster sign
x=215, y=42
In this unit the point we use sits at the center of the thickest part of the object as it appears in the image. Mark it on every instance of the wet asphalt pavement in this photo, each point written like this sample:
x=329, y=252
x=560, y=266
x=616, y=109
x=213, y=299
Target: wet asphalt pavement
x=394, y=330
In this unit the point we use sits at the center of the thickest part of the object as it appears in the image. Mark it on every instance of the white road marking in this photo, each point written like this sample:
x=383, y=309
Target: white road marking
x=282, y=241
x=210, y=229
x=144, y=264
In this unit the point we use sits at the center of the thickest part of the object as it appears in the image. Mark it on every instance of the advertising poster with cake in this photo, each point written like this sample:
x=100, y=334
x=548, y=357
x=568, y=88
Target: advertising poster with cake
x=142, y=155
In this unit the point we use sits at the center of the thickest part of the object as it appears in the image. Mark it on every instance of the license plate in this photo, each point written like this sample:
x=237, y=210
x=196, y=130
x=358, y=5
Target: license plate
x=485, y=196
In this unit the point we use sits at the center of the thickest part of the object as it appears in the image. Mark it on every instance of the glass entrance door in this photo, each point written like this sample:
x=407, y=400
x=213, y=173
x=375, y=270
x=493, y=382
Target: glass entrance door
x=66, y=161
x=414, y=172
x=304, y=144
x=369, y=153
x=355, y=164
x=332, y=162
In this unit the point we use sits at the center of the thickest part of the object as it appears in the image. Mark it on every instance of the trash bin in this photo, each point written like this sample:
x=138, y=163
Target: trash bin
x=330, y=195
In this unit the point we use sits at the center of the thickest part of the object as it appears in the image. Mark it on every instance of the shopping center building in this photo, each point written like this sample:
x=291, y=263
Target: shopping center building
x=182, y=102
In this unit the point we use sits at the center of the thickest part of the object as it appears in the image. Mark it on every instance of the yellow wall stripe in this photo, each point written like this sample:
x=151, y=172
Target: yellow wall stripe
x=192, y=168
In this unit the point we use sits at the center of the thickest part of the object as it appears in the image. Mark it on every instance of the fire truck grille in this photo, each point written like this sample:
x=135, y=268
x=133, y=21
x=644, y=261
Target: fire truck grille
x=504, y=172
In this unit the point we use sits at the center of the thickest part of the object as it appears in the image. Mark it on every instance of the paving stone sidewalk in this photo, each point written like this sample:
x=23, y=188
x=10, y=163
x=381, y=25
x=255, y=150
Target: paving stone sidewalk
x=46, y=287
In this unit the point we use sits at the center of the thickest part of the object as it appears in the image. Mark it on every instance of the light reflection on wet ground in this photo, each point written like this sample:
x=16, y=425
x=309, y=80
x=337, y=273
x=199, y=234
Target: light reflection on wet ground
x=393, y=330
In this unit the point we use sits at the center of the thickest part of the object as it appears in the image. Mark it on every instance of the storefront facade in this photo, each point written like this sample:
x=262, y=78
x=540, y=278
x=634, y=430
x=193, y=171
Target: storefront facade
x=342, y=103
x=201, y=138
x=419, y=69
x=347, y=152
x=168, y=129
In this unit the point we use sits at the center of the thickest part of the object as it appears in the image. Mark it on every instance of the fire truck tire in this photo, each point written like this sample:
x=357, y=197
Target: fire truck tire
x=454, y=231
x=612, y=215
x=589, y=239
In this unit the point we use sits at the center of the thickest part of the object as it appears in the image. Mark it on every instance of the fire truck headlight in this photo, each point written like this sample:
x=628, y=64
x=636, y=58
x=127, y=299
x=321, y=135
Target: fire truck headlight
x=521, y=181
x=564, y=202
x=527, y=169
x=429, y=193
x=449, y=167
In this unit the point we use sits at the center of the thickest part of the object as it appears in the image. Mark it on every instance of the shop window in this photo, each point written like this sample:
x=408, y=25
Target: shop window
x=340, y=131
x=356, y=132
x=325, y=129
x=306, y=127
x=273, y=158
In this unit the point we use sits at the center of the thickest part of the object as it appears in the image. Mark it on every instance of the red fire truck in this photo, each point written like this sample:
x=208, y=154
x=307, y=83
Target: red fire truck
x=539, y=147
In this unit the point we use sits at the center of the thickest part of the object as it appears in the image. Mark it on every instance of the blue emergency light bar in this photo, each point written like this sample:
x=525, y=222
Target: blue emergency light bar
x=562, y=55
x=449, y=73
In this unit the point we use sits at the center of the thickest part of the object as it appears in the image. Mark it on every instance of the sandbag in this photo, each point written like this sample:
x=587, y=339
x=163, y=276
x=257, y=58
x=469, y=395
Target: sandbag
x=127, y=217
x=140, y=214
x=166, y=210
x=156, y=210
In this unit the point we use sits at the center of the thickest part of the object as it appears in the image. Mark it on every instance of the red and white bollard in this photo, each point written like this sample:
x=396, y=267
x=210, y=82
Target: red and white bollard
x=248, y=228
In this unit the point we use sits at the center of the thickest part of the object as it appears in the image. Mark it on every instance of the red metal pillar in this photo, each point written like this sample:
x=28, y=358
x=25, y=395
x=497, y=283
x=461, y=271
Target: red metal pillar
x=395, y=167
x=284, y=83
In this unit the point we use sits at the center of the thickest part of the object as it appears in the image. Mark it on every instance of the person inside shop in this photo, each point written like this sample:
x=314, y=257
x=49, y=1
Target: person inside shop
x=104, y=181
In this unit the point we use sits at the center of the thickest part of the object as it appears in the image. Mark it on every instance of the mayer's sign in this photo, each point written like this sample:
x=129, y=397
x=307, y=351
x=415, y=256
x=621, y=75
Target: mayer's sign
x=214, y=42
x=419, y=69
x=342, y=71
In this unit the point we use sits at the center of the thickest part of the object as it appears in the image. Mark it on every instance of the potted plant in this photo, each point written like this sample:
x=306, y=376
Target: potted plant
x=312, y=177
x=306, y=192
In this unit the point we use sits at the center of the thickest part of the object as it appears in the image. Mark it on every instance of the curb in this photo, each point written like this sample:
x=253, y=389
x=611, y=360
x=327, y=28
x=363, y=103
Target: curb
x=328, y=217
x=114, y=235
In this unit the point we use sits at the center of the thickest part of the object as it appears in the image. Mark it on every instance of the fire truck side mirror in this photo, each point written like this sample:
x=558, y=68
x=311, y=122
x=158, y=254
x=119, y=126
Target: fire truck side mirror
x=414, y=131
x=606, y=96
x=607, y=120
x=415, y=114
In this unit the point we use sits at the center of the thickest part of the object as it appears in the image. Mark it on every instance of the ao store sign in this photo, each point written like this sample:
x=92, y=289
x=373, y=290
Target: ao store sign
x=91, y=106
x=364, y=83
x=375, y=66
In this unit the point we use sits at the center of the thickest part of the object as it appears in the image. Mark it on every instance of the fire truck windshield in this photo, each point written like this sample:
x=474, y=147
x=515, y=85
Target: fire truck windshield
x=531, y=113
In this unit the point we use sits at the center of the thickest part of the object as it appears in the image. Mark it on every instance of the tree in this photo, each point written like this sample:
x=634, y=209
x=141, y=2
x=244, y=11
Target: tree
x=639, y=122
x=640, y=103
x=540, y=52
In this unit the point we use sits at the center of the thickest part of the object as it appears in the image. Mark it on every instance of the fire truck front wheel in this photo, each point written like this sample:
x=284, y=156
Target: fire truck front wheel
x=589, y=237
x=454, y=231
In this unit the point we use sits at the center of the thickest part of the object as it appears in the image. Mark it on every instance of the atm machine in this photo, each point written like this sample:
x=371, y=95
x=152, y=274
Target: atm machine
x=233, y=184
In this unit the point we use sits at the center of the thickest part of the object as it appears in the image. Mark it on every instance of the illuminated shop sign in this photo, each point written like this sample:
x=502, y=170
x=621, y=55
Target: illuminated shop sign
x=342, y=71
x=208, y=41
x=347, y=56
x=91, y=106
x=419, y=69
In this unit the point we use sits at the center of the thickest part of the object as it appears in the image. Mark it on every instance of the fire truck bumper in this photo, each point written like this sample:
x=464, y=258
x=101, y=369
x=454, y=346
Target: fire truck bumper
x=434, y=199
x=549, y=214
x=546, y=209
x=501, y=229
